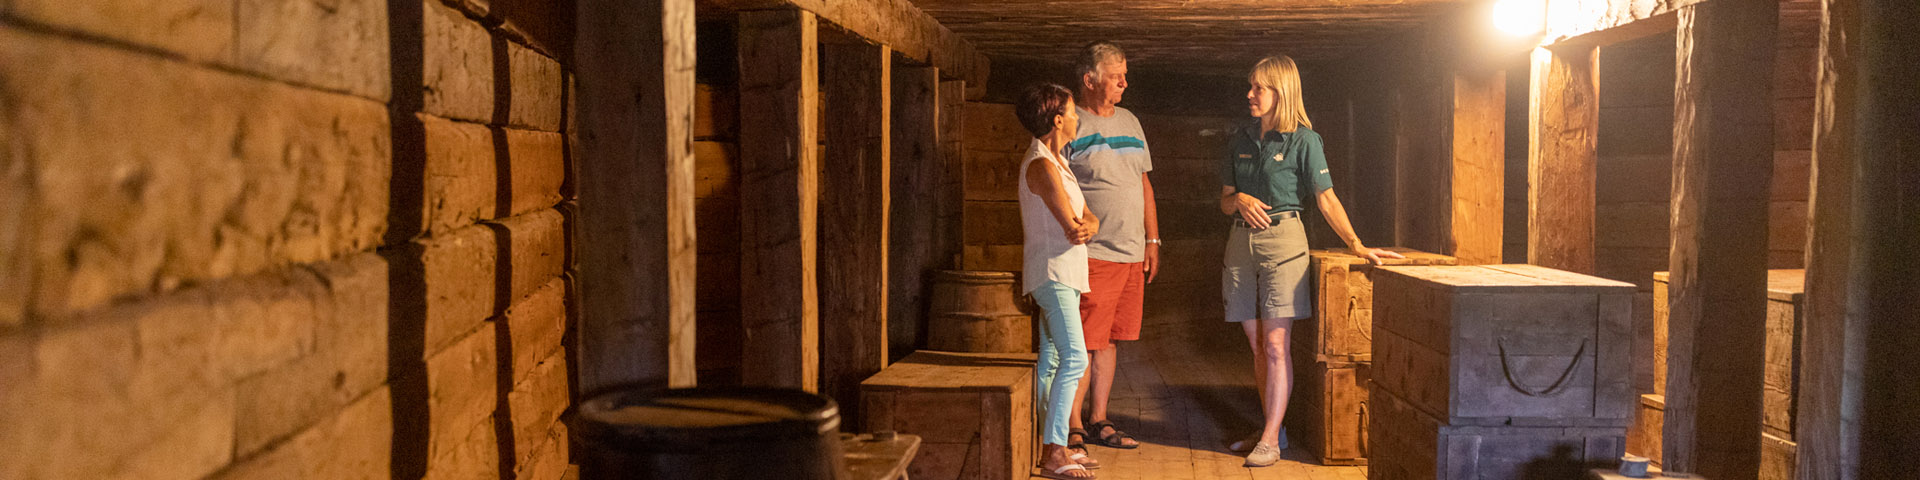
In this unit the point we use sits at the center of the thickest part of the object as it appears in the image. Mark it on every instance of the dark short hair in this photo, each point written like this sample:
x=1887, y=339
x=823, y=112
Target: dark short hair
x=1038, y=104
x=1094, y=54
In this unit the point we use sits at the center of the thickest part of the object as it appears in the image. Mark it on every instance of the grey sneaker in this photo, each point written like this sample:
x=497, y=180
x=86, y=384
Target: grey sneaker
x=1263, y=455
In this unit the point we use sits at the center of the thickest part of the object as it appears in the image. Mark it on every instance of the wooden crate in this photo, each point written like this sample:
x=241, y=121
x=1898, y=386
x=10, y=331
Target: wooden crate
x=1643, y=438
x=1786, y=301
x=1786, y=297
x=1341, y=329
x=1505, y=345
x=1777, y=457
x=1327, y=414
x=972, y=411
x=1409, y=444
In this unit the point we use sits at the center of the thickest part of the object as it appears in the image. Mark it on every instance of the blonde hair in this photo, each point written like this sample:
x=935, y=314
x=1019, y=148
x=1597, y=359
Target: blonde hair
x=1280, y=74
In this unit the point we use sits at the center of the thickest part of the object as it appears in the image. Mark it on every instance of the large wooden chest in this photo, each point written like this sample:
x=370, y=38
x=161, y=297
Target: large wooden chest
x=972, y=411
x=1505, y=344
x=1327, y=414
x=1341, y=329
x=1409, y=444
x=1498, y=372
x=1786, y=300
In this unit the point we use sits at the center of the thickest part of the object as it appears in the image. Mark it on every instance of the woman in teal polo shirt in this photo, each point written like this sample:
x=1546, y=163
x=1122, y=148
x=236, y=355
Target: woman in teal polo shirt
x=1275, y=161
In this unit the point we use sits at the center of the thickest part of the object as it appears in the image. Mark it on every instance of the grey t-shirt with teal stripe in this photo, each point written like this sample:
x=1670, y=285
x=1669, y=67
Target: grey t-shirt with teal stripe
x=1108, y=155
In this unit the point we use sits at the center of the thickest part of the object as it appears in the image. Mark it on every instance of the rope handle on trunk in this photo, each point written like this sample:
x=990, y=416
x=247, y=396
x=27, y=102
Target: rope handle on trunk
x=1556, y=388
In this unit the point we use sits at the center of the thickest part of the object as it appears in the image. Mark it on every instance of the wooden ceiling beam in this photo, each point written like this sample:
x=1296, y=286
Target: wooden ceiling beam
x=898, y=24
x=1602, y=22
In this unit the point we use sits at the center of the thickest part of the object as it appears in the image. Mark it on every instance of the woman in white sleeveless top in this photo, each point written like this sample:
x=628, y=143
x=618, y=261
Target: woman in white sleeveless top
x=1057, y=224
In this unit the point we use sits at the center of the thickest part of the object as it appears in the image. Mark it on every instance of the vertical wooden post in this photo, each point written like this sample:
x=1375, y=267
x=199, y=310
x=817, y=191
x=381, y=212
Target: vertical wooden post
x=1722, y=162
x=779, y=197
x=917, y=178
x=951, y=199
x=1478, y=167
x=1856, y=417
x=853, y=219
x=635, y=82
x=1564, y=125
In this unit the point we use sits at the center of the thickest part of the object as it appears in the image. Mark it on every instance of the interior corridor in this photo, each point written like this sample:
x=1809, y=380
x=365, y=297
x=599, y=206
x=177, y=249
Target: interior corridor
x=1186, y=390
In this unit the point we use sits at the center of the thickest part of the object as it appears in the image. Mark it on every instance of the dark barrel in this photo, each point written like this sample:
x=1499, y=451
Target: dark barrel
x=717, y=433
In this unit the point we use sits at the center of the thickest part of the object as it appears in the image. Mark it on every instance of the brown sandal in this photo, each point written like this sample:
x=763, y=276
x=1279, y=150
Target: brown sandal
x=1117, y=439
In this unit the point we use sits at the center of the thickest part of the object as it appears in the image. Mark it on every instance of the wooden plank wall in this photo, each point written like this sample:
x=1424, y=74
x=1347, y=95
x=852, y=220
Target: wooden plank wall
x=918, y=173
x=1794, y=66
x=1366, y=105
x=1417, y=143
x=717, y=207
x=934, y=243
x=1633, y=175
x=1186, y=149
x=1514, y=216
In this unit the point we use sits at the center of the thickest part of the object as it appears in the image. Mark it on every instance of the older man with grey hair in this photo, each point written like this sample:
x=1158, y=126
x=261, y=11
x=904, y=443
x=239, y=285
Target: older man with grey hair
x=1109, y=156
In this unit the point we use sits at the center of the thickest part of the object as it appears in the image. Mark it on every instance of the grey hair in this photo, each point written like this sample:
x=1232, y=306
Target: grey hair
x=1093, y=55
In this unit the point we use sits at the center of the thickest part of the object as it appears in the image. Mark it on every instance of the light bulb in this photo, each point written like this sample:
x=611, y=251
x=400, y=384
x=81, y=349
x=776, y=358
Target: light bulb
x=1520, y=17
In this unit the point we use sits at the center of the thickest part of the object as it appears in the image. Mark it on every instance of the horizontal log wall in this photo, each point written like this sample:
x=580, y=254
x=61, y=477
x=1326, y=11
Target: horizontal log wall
x=286, y=240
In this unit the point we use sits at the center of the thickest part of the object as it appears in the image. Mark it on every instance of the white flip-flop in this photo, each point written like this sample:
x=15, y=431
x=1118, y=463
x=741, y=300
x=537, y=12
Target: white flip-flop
x=1088, y=462
x=1061, y=473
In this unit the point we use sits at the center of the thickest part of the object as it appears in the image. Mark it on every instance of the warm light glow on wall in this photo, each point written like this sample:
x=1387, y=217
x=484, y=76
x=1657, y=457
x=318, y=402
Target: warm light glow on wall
x=1520, y=17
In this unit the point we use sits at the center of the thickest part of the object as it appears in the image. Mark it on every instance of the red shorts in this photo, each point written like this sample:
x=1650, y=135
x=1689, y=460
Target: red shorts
x=1112, y=311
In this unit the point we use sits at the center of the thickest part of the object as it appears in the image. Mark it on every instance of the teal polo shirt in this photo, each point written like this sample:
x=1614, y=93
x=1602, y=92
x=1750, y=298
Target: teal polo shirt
x=1276, y=167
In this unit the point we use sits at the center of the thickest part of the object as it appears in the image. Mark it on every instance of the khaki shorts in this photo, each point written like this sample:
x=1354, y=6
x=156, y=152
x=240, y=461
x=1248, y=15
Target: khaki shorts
x=1265, y=274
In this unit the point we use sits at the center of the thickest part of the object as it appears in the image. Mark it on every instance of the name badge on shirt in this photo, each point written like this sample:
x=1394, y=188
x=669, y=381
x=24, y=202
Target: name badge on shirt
x=1246, y=155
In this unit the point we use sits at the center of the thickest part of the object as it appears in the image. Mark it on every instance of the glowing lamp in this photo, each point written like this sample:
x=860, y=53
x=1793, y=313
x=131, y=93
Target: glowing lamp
x=1520, y=17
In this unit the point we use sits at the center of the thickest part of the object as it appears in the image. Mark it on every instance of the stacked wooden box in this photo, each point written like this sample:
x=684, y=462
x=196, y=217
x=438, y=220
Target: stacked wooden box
x=1785, y=304
x=1498, y=371
x=972, y=411
x=1332, y=353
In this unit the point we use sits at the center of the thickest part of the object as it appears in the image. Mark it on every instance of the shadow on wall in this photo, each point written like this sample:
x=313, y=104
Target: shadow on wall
x=406, y=335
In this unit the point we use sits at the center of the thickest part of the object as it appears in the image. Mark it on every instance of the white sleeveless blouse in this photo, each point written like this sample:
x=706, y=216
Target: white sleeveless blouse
x=1048, y=254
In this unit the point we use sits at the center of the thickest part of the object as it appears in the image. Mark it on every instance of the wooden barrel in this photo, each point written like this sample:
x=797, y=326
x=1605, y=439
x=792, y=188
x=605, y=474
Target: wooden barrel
x=978, y=311
x=722, y=433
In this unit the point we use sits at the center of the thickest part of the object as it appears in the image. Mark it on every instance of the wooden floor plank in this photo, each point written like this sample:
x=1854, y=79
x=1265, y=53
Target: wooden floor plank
x=1184, y=392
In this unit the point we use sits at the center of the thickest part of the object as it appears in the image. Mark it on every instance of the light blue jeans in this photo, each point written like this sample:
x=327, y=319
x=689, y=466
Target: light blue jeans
x=1063, y=358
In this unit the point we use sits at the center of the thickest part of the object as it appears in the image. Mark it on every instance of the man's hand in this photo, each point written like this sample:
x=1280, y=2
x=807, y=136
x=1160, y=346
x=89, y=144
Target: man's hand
x=1092, y=223
x=1253, y=211
x=1153, y=261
